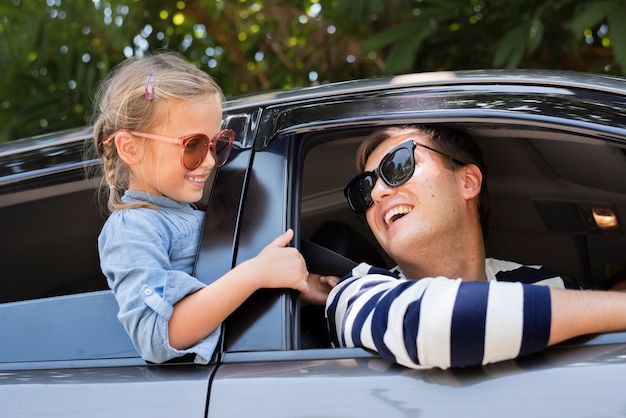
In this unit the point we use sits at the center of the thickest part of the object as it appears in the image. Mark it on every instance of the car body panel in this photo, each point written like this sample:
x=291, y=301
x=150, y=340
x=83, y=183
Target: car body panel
x=369, y=386
x=106, y=392
x=94, y=310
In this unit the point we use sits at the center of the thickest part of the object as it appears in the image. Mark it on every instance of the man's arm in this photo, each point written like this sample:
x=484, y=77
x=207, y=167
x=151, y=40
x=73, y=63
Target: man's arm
x=576, y=313
x=437, y=322
x=448, y=323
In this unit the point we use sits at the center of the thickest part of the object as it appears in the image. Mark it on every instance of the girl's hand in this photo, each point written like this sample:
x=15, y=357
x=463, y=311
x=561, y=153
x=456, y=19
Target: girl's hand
x=281, y=266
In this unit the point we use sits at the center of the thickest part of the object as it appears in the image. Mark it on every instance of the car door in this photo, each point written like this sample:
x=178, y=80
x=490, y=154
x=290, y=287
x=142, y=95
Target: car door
x=267, y=368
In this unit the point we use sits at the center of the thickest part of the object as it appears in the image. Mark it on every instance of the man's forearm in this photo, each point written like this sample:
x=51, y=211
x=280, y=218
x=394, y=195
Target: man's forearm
x=576, y=313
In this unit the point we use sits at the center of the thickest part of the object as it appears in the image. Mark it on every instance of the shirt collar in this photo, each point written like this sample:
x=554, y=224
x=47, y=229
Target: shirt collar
x=160, y=201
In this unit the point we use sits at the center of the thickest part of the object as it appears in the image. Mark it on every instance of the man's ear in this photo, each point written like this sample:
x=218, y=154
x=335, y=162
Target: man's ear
x=472, y=181
x=127, y=147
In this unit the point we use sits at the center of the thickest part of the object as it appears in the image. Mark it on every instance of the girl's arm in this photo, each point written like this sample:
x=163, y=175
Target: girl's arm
x=198, y=314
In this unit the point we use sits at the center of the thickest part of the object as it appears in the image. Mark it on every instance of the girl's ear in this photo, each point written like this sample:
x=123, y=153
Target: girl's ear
x=127, y=147
x=473, y=180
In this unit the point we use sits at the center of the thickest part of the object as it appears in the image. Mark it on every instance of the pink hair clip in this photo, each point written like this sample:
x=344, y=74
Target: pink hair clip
x=149, y=92
x=106, y=141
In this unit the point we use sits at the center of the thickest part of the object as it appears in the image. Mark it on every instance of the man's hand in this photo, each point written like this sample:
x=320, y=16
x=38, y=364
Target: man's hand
x=319, y=286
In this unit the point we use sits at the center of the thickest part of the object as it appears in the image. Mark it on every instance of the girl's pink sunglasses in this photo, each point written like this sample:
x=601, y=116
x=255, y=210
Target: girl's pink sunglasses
x=194, y=147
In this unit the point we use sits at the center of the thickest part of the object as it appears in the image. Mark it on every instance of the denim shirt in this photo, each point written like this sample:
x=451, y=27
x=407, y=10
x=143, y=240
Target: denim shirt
x=147, y=257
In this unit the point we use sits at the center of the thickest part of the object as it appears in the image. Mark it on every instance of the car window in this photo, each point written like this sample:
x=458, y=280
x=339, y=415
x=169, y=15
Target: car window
x=53, y=246
x=325, y=216
x=55, y=302
x=544, y=185
x=50, y=220
x=326, y=164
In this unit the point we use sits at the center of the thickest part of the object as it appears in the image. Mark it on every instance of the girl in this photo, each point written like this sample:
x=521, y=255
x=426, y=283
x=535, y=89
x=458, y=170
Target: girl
x=157, y=131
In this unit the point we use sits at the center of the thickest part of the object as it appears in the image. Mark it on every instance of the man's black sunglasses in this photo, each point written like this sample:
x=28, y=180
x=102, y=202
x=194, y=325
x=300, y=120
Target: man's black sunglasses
x=396, y=168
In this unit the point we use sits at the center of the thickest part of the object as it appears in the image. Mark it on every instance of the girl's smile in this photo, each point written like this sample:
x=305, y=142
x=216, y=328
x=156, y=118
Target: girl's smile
x=159, y=170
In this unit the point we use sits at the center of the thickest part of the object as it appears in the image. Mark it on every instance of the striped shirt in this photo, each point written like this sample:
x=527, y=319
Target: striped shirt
x=439, y=322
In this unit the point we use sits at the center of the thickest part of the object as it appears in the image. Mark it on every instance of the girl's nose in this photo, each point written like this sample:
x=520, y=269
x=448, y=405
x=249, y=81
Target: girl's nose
x=208, y=161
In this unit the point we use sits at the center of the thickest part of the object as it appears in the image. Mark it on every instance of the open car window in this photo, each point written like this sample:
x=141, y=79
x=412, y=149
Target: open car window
x=552, y=191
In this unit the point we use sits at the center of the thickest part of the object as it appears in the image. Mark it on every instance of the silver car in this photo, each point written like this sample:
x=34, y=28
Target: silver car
x=555, y=146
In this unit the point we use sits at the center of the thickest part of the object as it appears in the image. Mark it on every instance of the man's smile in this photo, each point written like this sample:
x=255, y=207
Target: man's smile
x=396, y=213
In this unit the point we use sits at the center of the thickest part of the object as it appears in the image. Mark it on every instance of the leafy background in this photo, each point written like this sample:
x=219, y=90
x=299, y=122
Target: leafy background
x=54, y=52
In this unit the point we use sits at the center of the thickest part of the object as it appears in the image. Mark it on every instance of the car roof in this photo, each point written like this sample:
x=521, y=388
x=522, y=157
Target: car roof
x=554, y=78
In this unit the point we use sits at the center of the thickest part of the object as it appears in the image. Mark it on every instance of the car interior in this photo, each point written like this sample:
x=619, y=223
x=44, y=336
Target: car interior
x=556, y=199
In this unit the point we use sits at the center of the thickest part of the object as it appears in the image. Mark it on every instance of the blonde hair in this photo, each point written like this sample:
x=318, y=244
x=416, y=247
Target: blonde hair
x=134, y=96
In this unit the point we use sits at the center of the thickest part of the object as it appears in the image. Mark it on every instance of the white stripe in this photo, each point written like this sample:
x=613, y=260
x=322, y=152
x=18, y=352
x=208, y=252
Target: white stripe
x=394, y=334
x=433, y=340
x=505, y=321
x=494, y=266
x=341, y=306
x=357, y=305
x=366, y=333
x=361, y=269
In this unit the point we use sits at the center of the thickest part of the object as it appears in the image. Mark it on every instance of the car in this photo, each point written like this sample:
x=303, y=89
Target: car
x=555, y=147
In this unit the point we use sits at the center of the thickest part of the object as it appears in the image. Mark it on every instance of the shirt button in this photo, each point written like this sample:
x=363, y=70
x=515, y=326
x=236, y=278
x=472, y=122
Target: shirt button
x=147, y=292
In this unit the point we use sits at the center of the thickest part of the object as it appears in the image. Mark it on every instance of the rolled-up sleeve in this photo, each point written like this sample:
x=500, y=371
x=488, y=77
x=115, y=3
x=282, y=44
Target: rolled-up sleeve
x=136, y=258
x=438, y=322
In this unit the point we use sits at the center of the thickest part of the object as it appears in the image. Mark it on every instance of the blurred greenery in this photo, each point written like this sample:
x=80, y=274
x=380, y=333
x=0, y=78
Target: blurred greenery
x=54, y=52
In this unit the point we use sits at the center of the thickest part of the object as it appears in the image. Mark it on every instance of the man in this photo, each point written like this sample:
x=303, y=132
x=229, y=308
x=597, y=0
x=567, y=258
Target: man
x=424, y=196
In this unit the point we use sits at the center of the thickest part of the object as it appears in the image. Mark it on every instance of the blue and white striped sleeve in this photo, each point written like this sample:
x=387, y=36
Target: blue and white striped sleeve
x=438, y=322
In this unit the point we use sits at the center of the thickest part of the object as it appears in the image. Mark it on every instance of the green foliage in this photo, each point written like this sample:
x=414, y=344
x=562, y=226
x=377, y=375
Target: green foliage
x=47, y=58
x=465, y=34
x=357, y=9
x=54, y=52
x=517, y=43
x=616, y=17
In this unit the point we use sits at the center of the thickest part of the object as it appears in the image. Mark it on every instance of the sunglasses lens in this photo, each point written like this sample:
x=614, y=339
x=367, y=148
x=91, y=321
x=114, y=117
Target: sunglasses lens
x=223, y=145
x=397, y=167
x=359, y=192
x=196, y=149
